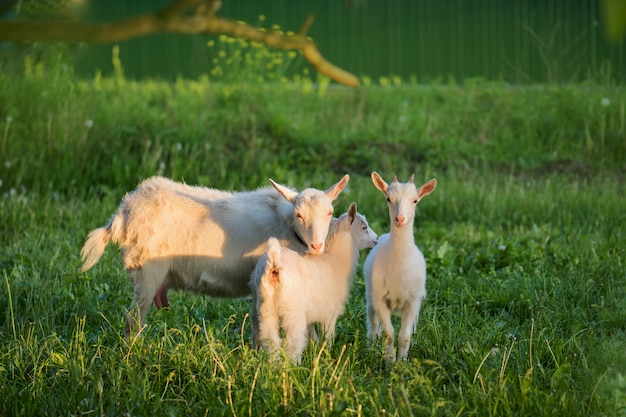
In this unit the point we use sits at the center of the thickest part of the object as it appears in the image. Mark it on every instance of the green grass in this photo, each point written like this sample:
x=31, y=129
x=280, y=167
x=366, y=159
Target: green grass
x=524, y=239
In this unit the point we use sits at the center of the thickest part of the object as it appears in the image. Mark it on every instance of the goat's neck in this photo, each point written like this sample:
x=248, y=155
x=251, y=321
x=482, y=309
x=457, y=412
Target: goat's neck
x=284, y=209
x=341, y=250
x=402, y=236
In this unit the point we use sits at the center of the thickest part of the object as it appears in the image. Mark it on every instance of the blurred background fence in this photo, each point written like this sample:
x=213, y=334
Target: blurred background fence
x=518, y=41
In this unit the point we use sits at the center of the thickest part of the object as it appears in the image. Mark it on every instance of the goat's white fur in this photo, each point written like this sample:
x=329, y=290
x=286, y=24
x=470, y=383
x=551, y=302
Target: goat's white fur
x=293, y=291
x=395, y=270
x=177, y=236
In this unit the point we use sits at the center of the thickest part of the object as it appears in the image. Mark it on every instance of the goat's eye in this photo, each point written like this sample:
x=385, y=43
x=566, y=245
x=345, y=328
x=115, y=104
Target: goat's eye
x=389, y=200
x=415, y=201
x=299, y=216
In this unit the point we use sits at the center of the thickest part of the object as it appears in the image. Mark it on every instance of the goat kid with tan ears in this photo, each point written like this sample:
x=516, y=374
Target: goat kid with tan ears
x=395, y=269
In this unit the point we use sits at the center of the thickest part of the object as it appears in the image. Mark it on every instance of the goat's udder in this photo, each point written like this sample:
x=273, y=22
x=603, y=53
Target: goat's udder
x=160, y=298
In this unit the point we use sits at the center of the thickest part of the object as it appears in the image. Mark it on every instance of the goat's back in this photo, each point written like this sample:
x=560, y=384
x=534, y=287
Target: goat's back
x=210, y=239
x=320, y=282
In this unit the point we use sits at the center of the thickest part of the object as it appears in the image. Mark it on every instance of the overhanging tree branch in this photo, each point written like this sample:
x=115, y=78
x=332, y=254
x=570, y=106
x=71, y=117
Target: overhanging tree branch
x=175, y=18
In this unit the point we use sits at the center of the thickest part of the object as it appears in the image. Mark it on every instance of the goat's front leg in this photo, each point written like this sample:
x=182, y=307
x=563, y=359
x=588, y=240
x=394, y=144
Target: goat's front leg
x=410, y=316
x=373, y=322
x=385, y=319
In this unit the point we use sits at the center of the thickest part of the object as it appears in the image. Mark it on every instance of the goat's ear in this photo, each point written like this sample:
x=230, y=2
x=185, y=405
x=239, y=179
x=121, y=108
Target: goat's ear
x=379, y=182
x=352, y=212
x=288, y=193
x=426, y=189
x=412, y=179
x=334, y=191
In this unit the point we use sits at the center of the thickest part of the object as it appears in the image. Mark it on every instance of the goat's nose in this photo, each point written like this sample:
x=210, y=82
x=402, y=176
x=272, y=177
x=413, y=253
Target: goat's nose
x=400, y=220
x=317, y=247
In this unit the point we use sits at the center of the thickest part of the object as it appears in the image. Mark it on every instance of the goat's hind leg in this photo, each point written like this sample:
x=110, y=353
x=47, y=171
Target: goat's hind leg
x=328, y=330
x=254, y=319
x=313, y=333
x=296, y=335
x=268, y=322
x=146, y=280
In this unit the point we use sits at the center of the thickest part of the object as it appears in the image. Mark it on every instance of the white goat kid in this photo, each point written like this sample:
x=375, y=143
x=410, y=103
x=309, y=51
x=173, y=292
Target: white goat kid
x=177, y=236
x=395, y=270
x=293, y=291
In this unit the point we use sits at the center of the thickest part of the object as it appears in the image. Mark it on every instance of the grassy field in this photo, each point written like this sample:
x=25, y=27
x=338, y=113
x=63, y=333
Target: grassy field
x=524, y=239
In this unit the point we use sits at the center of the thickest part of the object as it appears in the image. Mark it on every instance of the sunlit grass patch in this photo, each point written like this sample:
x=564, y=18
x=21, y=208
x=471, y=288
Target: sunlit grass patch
x=524, y=242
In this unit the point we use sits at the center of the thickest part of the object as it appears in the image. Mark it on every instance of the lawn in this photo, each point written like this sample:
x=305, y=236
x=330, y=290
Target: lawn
x=524, y=240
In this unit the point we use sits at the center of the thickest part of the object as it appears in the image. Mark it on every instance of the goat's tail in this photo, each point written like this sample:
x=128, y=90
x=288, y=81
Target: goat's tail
x=273, y=265
x=97, y=240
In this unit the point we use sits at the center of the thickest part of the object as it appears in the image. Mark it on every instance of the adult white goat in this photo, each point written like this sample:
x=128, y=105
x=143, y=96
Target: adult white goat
x=293, y=291
x=395, y=270
x=177, y=236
